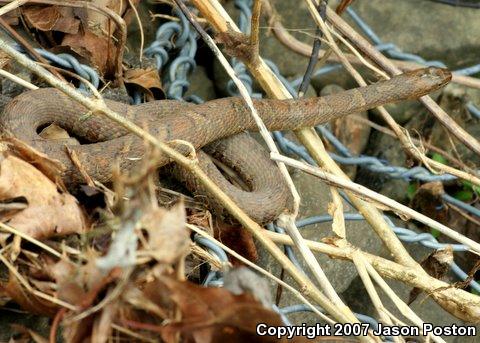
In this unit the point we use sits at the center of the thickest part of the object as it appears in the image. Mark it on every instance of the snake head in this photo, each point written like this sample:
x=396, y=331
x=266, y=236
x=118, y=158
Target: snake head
x=436, y=78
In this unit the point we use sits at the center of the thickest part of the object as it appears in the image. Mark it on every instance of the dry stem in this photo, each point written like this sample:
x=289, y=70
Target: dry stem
x=379, y=198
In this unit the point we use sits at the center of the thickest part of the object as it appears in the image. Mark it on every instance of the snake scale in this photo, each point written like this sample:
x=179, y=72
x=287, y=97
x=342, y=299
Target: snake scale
x=217, y=125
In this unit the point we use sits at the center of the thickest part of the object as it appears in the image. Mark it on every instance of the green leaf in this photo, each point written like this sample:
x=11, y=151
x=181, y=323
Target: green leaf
x=467, y=184
x=465, y=195
x=435, y=233
x=411, y=189
x=439, y=158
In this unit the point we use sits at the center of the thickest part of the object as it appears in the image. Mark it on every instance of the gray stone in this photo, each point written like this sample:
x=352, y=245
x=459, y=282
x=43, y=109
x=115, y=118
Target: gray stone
x=201, y=85
x=389, y=149
x=432, y=30
x=297, y=20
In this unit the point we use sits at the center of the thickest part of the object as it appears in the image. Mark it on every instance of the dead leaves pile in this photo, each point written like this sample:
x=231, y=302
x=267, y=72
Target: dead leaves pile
x=146, y=301
x=90, y=34
x=48, y=211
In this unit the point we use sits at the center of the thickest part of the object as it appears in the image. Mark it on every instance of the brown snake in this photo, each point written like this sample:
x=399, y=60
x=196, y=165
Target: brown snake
x=206, y=125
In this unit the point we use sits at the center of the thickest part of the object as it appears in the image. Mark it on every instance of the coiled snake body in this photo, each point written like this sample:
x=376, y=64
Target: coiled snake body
x=206, y=125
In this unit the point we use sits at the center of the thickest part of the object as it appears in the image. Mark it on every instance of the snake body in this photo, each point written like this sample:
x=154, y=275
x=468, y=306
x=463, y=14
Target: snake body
x=211, y=125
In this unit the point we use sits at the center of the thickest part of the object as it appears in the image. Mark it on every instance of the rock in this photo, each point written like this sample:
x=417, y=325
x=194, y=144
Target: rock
x=315, y=198
x=145, y=9
x=385, y=148
x=296, y=18
x=437, y=31
x=201, y=85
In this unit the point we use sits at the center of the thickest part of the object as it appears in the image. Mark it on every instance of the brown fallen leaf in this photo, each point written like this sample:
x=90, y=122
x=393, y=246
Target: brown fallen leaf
x=428, y=200
x=211, y=314
x=147, y=80
x=437, y=264
x=237, y=238
x=168, y=237
x=96, y=49
x=28, y=301
x=49, y=212
x=51, y=18
x=49, y=167
x=55, y=132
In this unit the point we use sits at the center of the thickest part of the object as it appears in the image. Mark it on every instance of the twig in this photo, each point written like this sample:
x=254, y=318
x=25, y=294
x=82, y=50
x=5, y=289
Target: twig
x=465, y=303
x=133, y=334
x=317, y=43
x=359, y=261
x=336, y=206
x=74, y=76
x=427, y=145
x=404, y=309
x=11, y=6
x=56, y=322
x=376, y=197
x=343, y=6
x=255, y=27
x=17, y=79
x=288, y=220
x=360, y=57
x=26, y=237
x=29, y=288
x=245, y=95
x=381, y=227
x=404, y=139
x=304, y=49
x=97, y=106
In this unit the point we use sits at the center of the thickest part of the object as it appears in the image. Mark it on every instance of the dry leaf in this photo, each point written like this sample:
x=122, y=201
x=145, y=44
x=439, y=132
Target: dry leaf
x=49, y=212
x=51, y=18
x=437, y=264
x=49, y=167
x=27, y=300
x=212, y=314
x=147, y=80
x=168, y=237
x=53, y=132
x=428, y=201
x=97, y=50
